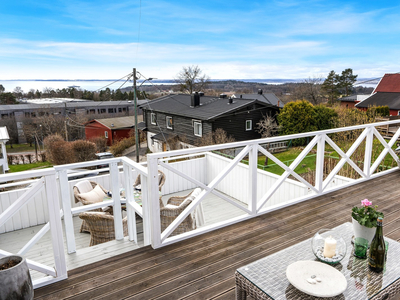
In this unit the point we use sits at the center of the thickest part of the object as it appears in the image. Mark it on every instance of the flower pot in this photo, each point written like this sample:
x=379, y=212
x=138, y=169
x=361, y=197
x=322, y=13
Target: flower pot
x=362, y=231
x=16, y=282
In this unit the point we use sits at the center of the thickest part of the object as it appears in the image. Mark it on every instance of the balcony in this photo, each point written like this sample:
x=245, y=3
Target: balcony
x=249, y=213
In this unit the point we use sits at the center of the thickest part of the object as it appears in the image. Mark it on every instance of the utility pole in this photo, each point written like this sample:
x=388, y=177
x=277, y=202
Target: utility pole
x=136, y=117
x=65, y=122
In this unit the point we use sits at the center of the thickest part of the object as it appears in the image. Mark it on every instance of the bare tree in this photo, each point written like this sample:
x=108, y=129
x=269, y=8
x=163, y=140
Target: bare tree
x=219, y=136
x=190, y=79
x=310, y=90
x=267, y=127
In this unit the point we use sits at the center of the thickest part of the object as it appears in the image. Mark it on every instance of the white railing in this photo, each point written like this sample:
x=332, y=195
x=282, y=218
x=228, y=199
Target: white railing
x=45, y=184
x=245, y=187
x=257, y=205
x=130, y=169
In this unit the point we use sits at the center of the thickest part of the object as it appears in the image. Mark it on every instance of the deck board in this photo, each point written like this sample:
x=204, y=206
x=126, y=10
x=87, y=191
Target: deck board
x=203, y=267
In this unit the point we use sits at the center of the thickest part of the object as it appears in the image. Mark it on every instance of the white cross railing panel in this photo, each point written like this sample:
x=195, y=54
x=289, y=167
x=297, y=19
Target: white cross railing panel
x=46, y=183
x=259, y=204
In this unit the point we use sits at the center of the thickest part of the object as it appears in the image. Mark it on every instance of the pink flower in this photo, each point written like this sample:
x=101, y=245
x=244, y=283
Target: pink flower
x=366, y=203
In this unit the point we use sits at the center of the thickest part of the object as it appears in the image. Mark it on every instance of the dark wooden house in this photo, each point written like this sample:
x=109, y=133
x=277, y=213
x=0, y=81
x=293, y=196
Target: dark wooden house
x=189, y=117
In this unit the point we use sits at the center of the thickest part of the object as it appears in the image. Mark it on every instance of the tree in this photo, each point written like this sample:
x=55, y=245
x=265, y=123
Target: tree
x=310, y=90
x=190, y=79
x=2, y=89
x=325, y=117
x=330, y=86
x=219, y=136
x=7, y=98
x=346, y=81
x=297, y=117
x=267, y=126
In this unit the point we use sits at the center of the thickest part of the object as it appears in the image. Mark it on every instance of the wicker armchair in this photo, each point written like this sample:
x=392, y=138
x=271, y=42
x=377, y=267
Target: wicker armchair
x=101, y=225
x=175, y=206
x=78, y=198
x=160, y=183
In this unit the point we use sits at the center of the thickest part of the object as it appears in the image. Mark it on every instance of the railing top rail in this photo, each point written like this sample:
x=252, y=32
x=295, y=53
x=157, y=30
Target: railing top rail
x=266, y=140
x=87, y=164
x=138, y=166
x=26, y=174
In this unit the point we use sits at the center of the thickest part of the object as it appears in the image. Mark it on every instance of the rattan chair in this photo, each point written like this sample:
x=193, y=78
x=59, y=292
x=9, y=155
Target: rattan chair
x=101, y=225
x=175, y=206
x=160, y=183
x=78, y=198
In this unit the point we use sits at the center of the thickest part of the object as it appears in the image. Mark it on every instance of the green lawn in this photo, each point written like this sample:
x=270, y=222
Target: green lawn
x=38, y=165
x=309, y=161
x=19, y=148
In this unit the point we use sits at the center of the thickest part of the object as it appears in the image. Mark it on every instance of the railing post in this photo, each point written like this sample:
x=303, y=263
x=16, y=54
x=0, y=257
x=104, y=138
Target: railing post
x=253, y=162
x=66, y=203
x=319, y=167
x=114, y=174
x=146, y=204
x=153, y=201
x=55, y=225
x=368, y=151
x=129, y=199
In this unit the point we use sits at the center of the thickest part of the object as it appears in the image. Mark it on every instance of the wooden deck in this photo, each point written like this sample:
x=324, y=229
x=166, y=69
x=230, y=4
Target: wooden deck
x=203, y=267
x=215, y=210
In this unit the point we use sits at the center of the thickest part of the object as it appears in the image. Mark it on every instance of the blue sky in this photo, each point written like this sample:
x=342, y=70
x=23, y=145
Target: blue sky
x=43, y=39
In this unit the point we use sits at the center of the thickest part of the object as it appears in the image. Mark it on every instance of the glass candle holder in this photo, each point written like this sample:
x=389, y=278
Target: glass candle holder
x=328, y=246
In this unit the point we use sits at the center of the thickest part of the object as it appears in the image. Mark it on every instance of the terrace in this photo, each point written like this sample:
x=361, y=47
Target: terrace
x=249, y=213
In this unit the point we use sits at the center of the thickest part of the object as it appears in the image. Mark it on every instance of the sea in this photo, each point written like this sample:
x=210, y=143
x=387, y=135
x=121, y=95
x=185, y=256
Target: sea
x=93, y=85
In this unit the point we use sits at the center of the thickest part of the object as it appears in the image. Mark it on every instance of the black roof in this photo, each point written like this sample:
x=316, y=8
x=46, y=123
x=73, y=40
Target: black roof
x=381, y=99
x=210, y=107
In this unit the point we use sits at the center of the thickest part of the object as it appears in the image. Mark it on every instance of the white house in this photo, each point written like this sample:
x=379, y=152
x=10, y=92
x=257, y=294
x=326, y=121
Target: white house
x=4, y=137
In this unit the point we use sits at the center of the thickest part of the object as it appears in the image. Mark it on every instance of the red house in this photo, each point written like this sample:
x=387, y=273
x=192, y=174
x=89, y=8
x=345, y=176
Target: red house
x=112, y=129
x=386, y=93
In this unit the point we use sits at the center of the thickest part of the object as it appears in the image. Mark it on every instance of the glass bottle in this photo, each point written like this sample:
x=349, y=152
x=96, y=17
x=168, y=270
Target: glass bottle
x=376, y=258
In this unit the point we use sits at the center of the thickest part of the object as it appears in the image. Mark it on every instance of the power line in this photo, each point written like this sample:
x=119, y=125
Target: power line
x=130, y=74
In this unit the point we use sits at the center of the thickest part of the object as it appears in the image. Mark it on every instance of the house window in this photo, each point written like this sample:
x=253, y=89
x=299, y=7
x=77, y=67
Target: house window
x=111, y=110
x=249, y=125
x=197, y=128
x=169, y=122
x=398, y=112
x=106, y=134
x=153, y=119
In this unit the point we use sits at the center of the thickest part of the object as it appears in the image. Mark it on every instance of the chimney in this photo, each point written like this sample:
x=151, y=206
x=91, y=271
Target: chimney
x=230, y=101
x=195, y=101
x=222, y=96
x=201, y=94
x=260, y=91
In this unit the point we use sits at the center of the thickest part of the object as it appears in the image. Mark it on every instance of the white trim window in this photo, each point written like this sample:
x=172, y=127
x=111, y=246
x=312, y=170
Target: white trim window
x=106, y=134
x=398, y=112
x=197, y=128
x=170, y=125
x=153, y=119
x=249, y=125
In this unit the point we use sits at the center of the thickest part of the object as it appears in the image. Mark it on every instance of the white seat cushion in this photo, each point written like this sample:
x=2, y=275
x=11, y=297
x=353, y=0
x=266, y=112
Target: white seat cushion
x=84, y=186
x=95, y=195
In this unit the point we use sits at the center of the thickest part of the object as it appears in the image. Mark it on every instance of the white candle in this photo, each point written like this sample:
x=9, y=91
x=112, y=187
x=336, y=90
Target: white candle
x=330, y=247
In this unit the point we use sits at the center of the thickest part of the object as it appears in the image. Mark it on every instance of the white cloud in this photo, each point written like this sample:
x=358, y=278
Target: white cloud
x=287, y=59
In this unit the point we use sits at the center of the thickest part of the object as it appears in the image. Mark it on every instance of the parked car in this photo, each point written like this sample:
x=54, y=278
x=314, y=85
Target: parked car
x=104, y=155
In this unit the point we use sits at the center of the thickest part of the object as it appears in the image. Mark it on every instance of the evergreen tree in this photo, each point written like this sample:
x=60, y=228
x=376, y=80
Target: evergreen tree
x=346, y=81
x=330, y=86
